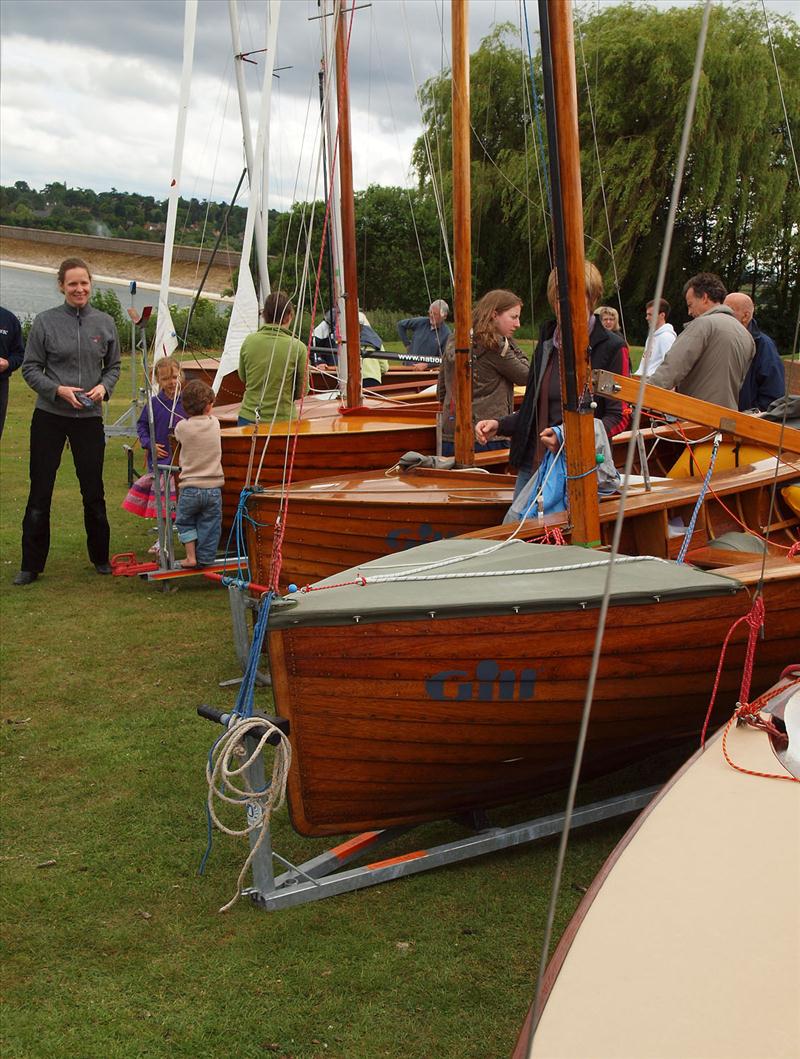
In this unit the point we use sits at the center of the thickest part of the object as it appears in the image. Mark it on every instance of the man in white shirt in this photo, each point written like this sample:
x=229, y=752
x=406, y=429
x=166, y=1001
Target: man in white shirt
x=663, y=337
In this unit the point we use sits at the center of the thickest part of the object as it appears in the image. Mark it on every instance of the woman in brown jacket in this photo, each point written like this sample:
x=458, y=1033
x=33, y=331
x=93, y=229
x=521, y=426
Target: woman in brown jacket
x=498, y=364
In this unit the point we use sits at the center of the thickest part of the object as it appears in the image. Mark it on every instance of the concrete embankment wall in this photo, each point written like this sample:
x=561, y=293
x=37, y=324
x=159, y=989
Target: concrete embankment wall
x=135, y=247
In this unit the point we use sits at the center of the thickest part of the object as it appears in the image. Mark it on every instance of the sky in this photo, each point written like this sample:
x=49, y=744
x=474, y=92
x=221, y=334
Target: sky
x=89, y=90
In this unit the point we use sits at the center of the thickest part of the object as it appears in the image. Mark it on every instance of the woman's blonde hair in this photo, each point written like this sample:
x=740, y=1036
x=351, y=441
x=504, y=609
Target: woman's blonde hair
x=592, y=279
x=492, y=303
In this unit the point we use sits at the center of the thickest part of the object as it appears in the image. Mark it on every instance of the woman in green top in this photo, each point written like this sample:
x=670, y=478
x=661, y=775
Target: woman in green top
x=272, y=365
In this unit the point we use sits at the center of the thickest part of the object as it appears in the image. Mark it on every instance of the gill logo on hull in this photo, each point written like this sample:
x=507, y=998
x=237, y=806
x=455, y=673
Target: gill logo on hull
x=409, y=537
x=490, y=684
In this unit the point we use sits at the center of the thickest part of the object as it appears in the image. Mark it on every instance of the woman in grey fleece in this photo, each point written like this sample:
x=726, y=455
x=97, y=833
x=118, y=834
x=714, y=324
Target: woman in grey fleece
x=72, y=362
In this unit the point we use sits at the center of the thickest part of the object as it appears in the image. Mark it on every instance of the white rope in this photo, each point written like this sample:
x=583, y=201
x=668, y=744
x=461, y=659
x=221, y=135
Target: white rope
x=229, y=761
x=571, y=567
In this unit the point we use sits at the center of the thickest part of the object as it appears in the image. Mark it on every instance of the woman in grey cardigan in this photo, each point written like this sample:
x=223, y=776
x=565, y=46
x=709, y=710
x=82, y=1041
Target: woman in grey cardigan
x=72, y=361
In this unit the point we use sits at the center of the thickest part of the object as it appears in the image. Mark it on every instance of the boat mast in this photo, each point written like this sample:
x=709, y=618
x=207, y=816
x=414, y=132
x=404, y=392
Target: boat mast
x=561, y=105
x=351, y=332
x=462, y=241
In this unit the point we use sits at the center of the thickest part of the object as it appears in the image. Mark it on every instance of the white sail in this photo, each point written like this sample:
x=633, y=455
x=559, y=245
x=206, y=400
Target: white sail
x=166, y=341
x=244, y=316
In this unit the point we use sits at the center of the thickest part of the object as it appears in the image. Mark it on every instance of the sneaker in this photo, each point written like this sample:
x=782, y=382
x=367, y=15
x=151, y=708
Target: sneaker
x=25, y=577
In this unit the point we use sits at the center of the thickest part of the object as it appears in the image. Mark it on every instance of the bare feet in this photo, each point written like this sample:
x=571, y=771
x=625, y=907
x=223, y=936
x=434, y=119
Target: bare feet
x=188, y=564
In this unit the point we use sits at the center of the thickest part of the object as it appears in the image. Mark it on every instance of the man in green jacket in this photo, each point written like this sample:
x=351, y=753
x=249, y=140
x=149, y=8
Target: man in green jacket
x=272, y=365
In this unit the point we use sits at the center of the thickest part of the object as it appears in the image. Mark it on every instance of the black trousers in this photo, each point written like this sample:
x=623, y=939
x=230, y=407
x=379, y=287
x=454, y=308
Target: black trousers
x=3, y=400
x=87, y=441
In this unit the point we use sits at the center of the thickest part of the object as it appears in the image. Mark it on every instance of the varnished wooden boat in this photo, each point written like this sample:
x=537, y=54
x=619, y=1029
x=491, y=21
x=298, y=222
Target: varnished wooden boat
x=326, y=440
x=420, y=699
x=413, y=699
x=663, y=950
x=343, y=520
x=231, y=389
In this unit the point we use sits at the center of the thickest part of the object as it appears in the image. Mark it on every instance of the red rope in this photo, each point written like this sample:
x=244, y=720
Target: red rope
x=339, y=584
x=747, y=713
x=755, y=620
x=551, y=536
x=792, y=550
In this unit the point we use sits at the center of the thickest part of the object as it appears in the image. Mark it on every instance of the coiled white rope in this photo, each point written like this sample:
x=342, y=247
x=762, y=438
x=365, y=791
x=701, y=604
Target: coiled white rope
x=228, y=762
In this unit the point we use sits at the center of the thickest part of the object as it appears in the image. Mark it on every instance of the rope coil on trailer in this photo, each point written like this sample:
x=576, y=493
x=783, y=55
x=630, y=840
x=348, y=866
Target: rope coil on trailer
x=227, y=776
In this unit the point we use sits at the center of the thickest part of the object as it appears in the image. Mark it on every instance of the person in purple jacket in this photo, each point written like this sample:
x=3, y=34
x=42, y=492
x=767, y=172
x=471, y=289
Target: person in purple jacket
x=167, y=411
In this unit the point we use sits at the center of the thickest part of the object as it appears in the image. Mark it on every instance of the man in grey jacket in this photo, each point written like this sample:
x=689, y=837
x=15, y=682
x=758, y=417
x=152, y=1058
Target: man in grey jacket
x=710, y=358
x=72, y=361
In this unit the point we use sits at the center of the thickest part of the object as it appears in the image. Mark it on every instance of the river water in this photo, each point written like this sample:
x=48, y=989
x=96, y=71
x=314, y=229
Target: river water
x=26, y=293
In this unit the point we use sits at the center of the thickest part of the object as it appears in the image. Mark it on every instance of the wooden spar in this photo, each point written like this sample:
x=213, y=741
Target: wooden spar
x=462, y=245
x=561, y=99
x=352, y=329
x=740, y=424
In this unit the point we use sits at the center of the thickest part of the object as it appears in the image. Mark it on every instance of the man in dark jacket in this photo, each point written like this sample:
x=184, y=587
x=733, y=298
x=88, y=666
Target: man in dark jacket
x=765, y=381
x=11, y=353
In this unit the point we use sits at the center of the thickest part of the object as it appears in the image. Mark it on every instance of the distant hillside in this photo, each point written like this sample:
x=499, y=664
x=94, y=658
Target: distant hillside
x=119, y=214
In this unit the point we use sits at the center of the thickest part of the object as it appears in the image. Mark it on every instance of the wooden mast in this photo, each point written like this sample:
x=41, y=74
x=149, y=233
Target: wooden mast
x=352, y=330
x=561, y=98
x=462, y=245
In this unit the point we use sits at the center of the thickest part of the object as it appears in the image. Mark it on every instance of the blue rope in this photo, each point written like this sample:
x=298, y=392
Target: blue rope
x=688, y=537
x=209, y=825
x=244, y=700
x=244, y=705
x=575, y=477
x=537, y=113
x=236, y=546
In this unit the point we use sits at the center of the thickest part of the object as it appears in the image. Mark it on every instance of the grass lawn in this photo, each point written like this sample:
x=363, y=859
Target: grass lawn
x=112, y=944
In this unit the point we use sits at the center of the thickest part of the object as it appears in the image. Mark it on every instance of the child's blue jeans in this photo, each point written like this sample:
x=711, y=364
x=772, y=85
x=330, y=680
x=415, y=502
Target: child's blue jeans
x=199, y=518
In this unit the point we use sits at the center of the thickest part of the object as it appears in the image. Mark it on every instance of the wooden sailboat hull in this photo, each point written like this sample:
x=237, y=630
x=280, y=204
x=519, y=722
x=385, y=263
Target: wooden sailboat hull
x=327, y=441
x=231, y=389
x=346, y=519
x=398, y=721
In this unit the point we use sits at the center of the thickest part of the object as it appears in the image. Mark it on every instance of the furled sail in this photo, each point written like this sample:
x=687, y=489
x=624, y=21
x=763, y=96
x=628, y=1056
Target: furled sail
x=166, y=340
x=244, y=315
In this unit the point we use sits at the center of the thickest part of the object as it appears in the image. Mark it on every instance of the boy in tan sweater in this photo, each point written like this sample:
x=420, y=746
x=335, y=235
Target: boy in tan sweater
x=198, y=519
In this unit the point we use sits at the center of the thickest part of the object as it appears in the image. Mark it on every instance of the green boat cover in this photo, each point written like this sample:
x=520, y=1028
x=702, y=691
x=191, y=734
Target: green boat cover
x=469, y=578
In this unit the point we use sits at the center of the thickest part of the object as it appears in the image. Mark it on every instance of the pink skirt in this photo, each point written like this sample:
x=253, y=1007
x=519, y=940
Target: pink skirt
x=141, y=498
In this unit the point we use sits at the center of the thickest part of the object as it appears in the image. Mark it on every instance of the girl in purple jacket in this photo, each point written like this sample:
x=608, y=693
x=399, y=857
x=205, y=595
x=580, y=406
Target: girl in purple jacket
x=167, y=411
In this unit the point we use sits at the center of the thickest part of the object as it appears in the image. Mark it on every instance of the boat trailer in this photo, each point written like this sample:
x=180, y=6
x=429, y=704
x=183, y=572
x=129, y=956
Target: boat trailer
x=331, y=873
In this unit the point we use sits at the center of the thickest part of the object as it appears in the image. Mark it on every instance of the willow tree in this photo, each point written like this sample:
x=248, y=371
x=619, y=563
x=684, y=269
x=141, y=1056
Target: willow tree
x=740, y=203
x=498, y=116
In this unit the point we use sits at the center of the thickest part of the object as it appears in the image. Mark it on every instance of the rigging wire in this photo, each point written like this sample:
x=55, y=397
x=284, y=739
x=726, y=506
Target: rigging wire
x=614, y=552
x=436, y=186
x=774, y=488
x=602, y=182
x=410, y=198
